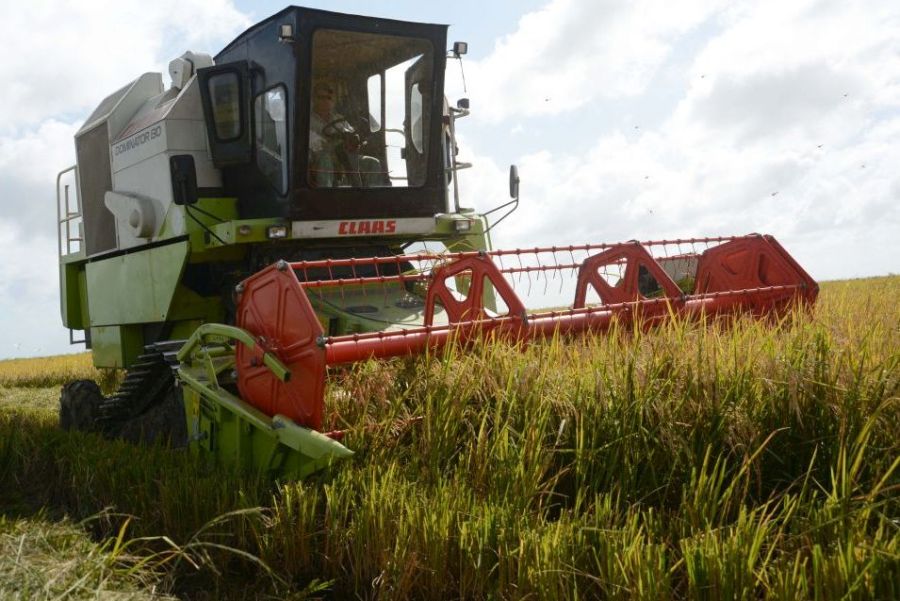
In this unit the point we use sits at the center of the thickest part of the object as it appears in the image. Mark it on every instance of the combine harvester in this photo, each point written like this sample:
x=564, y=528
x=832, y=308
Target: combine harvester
x=293, y=204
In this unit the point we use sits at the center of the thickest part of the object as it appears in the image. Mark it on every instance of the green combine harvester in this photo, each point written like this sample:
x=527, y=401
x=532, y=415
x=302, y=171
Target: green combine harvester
x=292, y=203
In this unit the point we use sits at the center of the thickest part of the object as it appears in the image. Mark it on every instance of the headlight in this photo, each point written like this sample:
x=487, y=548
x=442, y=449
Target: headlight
x=276, y=231
x=462, y=225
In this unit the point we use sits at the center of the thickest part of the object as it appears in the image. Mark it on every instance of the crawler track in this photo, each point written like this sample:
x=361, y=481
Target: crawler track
x=146, y=408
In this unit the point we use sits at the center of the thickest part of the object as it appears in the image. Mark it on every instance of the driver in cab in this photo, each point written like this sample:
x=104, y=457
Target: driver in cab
x=323, y=115
x=324, y=125
x=334, y=145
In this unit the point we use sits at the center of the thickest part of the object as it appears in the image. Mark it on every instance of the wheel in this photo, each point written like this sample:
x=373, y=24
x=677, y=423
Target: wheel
x=79, y=405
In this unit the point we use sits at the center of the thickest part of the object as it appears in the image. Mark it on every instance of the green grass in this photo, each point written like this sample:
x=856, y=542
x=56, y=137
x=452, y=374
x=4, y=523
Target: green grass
x=758, y=460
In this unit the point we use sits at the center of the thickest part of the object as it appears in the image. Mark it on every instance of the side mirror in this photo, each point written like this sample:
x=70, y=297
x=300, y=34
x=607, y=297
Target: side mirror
x=184, y=179
x=460, y=48
x=514, y=182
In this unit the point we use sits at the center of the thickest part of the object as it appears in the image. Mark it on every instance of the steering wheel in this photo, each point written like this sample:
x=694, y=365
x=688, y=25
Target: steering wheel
x=343, y=147
x=332, y=131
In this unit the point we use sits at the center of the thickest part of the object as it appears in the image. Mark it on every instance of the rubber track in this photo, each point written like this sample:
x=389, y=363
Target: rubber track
x=146, y=383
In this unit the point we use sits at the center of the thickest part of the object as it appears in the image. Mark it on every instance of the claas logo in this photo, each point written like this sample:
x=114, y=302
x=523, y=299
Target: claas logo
x=357, y=228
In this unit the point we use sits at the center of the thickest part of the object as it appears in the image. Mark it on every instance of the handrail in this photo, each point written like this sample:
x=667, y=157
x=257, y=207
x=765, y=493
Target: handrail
x=69, y=215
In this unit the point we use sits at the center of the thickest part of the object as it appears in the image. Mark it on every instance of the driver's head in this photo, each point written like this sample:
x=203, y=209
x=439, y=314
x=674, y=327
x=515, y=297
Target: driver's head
x=324, y=94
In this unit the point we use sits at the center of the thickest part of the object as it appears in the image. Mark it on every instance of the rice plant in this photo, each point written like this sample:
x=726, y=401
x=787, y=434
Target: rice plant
x=717, y=461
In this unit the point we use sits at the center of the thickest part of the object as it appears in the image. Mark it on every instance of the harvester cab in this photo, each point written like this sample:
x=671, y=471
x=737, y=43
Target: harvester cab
x=332, y=121
x=234, y=235
x=311, y=135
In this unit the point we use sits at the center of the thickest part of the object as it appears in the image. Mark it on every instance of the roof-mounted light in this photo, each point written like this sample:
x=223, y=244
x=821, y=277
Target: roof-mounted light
x=286, y=33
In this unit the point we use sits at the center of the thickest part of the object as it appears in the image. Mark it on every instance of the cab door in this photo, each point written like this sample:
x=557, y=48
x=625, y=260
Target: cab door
x=225, y=96
x=418, y=118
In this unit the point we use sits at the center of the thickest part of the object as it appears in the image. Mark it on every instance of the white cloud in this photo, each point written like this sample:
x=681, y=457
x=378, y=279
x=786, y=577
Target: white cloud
x=65, y=57
x=30, y=155
x=572, y=52
x=29, y=164
x=855, y=37
x=786, y=123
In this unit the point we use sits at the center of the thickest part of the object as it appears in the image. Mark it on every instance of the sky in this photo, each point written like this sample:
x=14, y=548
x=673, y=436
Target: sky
x=643, y=119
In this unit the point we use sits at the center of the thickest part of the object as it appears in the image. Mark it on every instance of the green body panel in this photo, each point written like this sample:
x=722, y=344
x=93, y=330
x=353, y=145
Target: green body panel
x=71, y=295
x=250, y=231
x=110, y=278
x=83, y=298
x=255, y=230
x=182, y=220
x=135, y=288
x=116, y=346
x=231, y=432
x=478, y=238
x=188, y=305
x=182, y=330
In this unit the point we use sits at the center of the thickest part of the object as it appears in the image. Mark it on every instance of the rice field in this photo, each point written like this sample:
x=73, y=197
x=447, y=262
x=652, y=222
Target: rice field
x=751, y=460
x=43, y=372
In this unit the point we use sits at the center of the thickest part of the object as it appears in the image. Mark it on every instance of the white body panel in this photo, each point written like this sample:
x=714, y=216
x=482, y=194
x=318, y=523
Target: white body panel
x=140, y=163
x=138, y=147
x=119, y=108
x=362, y=227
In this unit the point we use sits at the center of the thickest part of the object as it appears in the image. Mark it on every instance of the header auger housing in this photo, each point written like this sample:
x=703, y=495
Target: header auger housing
x=227, y=239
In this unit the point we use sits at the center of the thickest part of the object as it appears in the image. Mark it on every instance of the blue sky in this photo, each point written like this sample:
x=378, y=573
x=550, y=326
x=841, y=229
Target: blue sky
x=640, y=119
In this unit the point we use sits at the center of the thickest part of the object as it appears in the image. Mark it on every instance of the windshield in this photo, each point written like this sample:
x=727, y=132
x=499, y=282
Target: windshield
x=369, y=110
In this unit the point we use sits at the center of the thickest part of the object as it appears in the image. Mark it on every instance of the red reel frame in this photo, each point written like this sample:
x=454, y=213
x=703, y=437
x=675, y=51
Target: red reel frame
x=746, y=274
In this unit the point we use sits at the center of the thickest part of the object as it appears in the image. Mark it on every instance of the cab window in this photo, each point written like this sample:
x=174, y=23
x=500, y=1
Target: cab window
x=269, y=109
x=368, y=106
x=225, y=96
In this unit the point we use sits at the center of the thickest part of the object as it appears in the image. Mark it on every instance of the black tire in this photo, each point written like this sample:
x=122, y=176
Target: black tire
x=79, y=405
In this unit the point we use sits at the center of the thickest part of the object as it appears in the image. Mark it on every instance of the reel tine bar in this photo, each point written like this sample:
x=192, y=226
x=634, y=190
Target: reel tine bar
x=748, y=274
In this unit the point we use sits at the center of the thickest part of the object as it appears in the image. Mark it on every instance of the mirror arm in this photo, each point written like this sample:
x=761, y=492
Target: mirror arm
x=514, y=202
x=500, y=207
